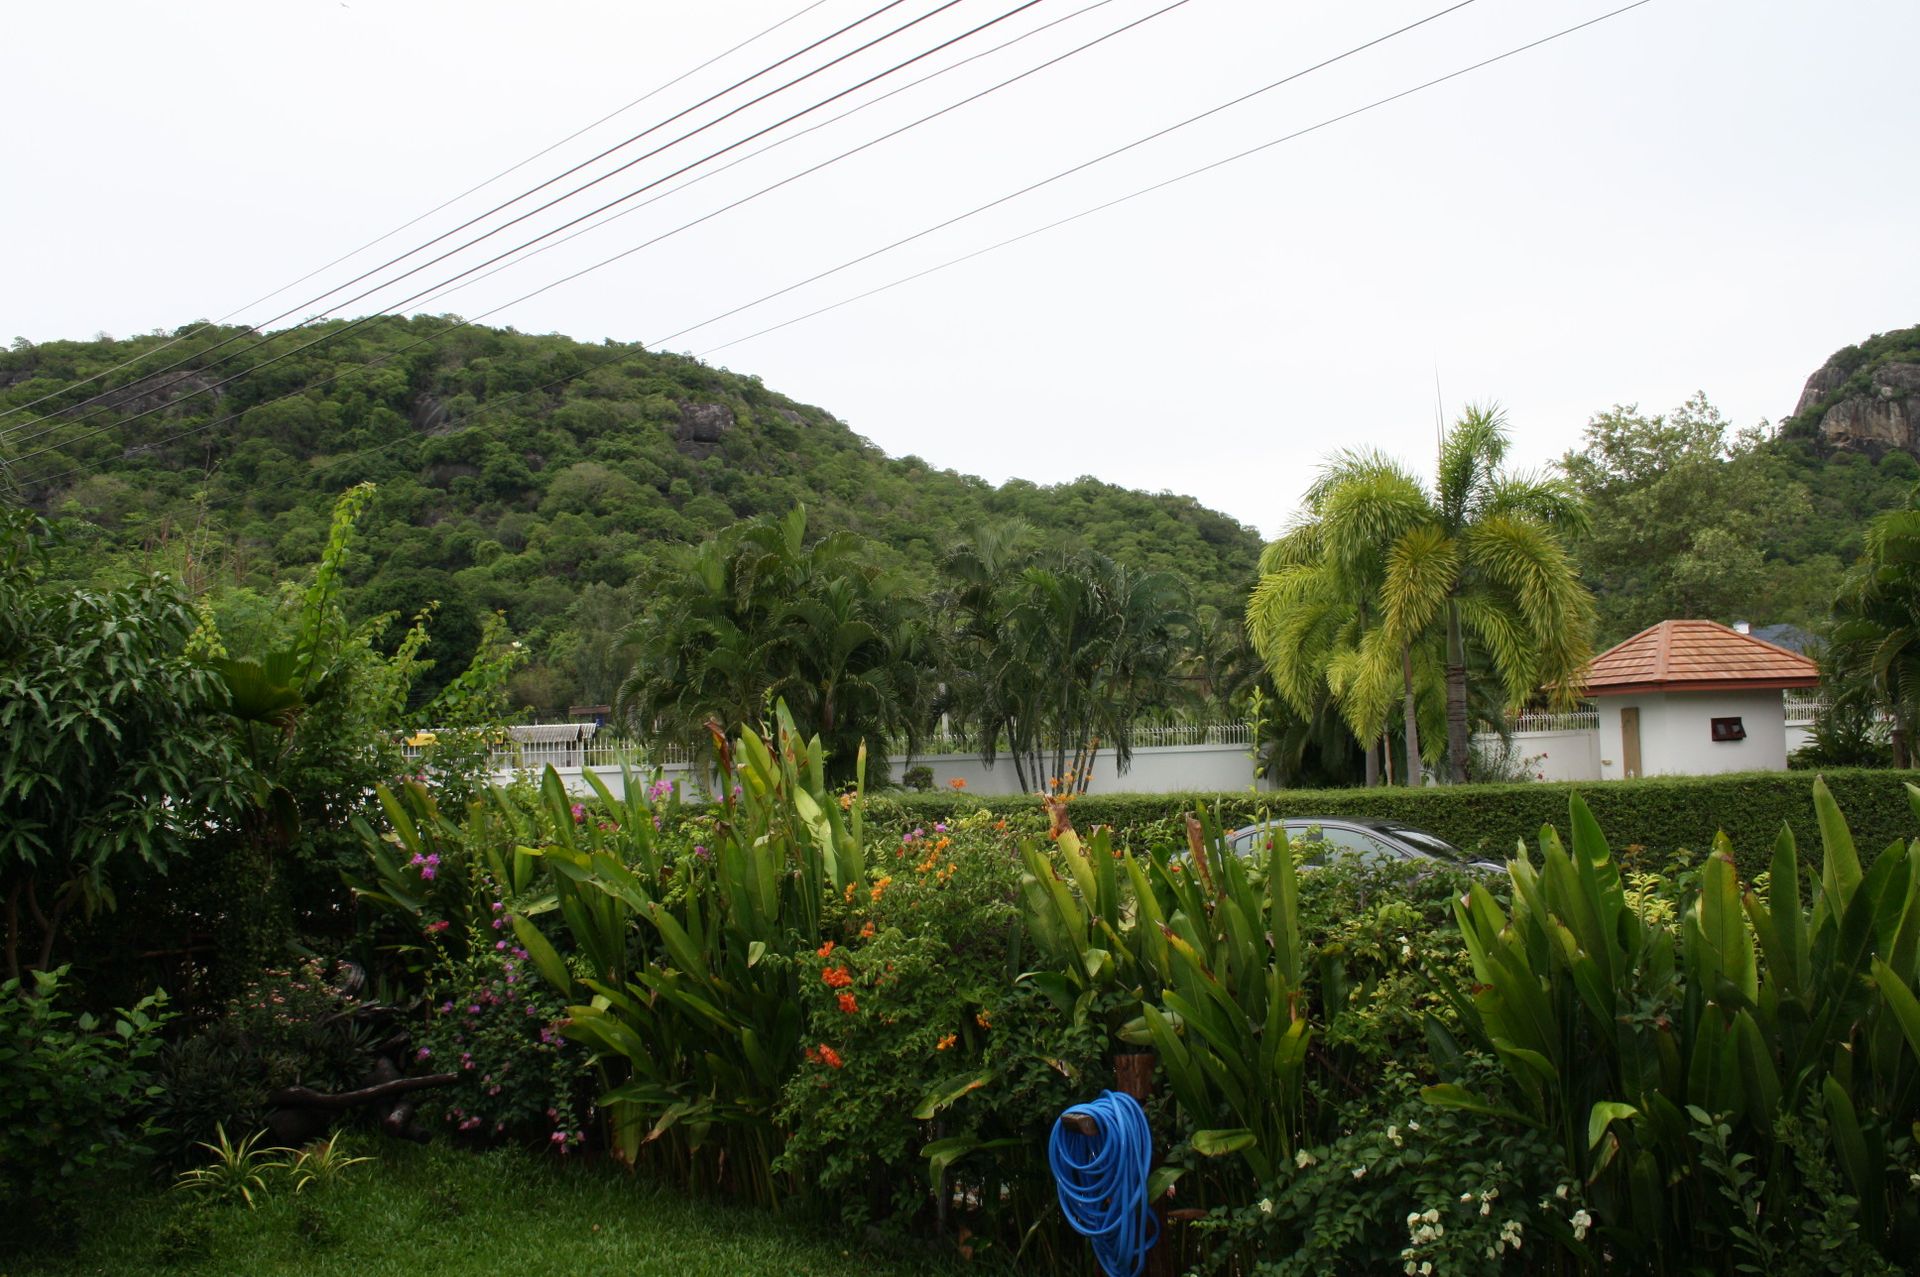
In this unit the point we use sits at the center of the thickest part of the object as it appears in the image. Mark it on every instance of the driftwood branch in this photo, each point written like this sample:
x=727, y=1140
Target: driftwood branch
x=305, y=1097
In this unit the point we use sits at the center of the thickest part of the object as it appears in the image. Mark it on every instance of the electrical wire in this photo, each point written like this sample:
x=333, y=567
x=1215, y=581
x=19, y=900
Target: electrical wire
x=440, y=207
x=632, y=352
x=358, y=323
x=771, y=146
x=314, y=301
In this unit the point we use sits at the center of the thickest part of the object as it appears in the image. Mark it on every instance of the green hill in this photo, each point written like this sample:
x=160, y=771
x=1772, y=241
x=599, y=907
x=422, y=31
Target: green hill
x=534, y=475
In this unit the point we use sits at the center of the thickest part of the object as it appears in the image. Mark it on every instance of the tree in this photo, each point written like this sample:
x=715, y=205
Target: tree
x=756, y=614
x=1876, y=621
x=1315, y=616
x=1477, y=561
x=1686, y=514
x=117, y=741
x=1057, y=655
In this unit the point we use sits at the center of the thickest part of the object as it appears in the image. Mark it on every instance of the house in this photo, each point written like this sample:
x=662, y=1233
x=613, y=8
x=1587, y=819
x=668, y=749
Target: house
x=1690, y=698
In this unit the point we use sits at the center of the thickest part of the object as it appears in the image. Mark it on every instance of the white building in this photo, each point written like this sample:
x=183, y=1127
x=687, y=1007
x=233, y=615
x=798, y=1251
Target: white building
x=1691, y=698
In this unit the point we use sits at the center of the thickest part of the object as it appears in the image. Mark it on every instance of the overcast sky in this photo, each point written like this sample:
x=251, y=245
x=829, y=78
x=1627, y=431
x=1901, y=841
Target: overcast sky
x=1697, y=194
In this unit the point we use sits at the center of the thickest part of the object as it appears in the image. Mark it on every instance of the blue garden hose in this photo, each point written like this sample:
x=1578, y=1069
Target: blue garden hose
x=1102, y=1181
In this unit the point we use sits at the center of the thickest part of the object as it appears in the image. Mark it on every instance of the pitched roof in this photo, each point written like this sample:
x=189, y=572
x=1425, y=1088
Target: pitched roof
x=1696, y=656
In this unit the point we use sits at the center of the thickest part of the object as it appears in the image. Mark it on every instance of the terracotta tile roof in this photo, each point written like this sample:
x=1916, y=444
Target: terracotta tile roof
x=1696, y=656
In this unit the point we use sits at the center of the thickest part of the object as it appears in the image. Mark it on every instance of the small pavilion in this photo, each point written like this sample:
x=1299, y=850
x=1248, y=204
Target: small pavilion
x=1690, y=698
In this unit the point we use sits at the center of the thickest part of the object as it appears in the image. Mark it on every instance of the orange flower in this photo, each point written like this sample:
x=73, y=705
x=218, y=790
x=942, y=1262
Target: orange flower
x=980, y=1018
x=825, y=950
x=946, y=1042
x=847, y=1005
x=849, y=893
x=846, y=802
x=830, y=1057
x=957, y=783
x=866, y=932
x=837, y=977
x=881, y=886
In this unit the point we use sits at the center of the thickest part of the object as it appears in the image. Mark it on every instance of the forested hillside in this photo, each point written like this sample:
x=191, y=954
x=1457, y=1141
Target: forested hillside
x=533, y=475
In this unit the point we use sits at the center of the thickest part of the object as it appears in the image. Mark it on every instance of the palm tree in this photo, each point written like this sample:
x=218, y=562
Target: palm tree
x=1876, y=621
x=758, y=614
x=1478, y=559
x=1055, y=656
x=1315, y=618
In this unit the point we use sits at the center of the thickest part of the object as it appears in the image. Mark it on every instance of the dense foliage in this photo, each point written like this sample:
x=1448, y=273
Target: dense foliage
x=534, y=476
x=1651, y=821
x=1694, y=518
x=76, y=1100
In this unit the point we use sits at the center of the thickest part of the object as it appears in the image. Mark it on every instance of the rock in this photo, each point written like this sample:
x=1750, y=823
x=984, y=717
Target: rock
x=429, y=415
x=1884, y=418
x=702, y=426
x=150, y=393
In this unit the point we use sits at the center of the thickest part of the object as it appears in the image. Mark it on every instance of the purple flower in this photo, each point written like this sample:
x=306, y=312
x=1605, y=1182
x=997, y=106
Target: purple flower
x=499, y=944
x=700, y=851
x=939, y=828
x=422, y=1053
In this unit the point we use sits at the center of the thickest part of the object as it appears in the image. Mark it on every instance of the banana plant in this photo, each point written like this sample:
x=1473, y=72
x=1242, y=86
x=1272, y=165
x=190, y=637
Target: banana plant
x=1617, y=1034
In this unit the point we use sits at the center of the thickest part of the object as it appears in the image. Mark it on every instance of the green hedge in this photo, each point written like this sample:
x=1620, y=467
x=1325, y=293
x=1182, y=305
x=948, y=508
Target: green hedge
x=1661, y=815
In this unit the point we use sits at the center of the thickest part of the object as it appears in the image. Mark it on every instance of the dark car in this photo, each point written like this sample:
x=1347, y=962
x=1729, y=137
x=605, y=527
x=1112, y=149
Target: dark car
x=1373, y=842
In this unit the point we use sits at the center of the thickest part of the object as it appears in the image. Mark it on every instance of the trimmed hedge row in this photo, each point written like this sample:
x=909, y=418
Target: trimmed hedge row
x=1663, y=815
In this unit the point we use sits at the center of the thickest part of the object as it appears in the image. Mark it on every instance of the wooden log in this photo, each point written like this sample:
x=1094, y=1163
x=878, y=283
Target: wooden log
x=304, y=1097
x=1133, y=1074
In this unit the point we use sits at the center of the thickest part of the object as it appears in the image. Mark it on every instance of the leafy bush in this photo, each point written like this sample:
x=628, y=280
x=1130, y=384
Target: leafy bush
x=1641, y=1047
x=285, y=1028
x=76, y=1099
x=1655, y=816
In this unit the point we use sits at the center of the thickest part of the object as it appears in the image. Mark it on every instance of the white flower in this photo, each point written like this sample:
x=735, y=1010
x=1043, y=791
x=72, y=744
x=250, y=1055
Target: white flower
x=1432, y=1216
x=1439, y=1231
x=1413, y=1217
x=1393, y=1136
x=1561, y=1191
x=1266, y=1206
x=1465, y=1198
x=1581, y=1223
x=1413, y=1126
x=1360, y=1172
x=1426, y=1267
x=1304, y=1159
x=1486, y=1208
x=1412, y=1268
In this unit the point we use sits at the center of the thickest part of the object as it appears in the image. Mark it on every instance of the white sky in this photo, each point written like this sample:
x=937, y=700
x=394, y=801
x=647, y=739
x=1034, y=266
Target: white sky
x=1699, y=194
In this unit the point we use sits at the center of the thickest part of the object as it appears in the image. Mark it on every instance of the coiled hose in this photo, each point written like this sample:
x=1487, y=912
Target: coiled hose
x=1102, y=1181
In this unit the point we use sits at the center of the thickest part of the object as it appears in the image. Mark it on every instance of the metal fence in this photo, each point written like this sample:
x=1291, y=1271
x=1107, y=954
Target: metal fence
x=1586, y=719
x=1803, y=706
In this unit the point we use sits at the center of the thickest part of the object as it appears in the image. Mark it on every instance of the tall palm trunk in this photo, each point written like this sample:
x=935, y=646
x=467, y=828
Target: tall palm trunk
x=1372, y=750
x=1456, y=697
x=1412, y=719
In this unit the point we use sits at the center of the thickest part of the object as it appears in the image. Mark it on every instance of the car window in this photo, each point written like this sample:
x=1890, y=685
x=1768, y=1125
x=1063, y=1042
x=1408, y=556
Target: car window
x=1370, y=850
x=1421, y=840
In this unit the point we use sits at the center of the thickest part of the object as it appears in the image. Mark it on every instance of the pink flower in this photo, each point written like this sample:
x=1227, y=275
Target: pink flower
x=579, y=813
x=499, y=944
x=435, y=928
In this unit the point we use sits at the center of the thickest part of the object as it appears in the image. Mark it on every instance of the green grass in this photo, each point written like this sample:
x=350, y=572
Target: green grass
x=439, y=1210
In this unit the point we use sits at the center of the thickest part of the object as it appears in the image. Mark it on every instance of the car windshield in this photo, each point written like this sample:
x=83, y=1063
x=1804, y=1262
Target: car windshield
x=1421, y=840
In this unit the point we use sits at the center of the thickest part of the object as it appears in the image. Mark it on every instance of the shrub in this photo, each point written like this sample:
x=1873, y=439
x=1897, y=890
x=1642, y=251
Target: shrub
x=76, y=1099
x=1660, y=814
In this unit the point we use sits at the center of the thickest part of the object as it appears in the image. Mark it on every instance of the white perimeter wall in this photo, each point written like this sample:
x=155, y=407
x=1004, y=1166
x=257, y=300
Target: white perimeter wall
x=1563, y=755
x=1676, y=737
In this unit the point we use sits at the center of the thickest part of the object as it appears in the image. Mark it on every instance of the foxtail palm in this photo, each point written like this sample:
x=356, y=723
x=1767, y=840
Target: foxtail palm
x=1477, y=558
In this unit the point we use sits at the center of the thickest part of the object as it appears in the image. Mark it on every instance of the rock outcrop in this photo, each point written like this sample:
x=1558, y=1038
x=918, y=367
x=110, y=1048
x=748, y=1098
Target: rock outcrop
x=1866, y=398
x=702, y=426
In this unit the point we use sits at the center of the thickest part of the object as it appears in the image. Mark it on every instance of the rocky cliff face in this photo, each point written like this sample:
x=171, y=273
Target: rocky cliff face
x=1866, y=398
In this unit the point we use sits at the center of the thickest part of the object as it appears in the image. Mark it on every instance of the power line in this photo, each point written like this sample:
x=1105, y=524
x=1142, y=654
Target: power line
x=316, y=300
x=1066, y=173
x=771, y=146
x=917, y=275
x=1190, y=173
x=333, y=334
x=443, y=205
x=1053, y=225
x=358, y=323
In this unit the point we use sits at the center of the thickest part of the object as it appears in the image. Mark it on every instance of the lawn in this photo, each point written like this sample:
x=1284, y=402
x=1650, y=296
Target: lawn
x=439, y=1210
